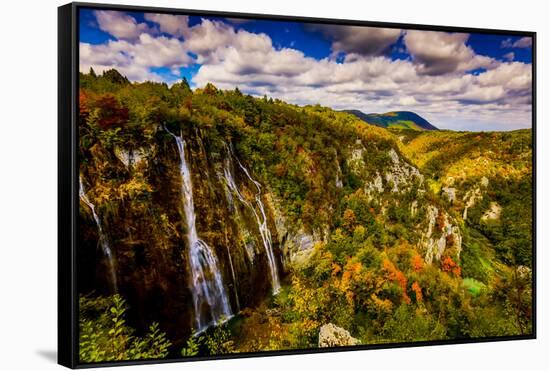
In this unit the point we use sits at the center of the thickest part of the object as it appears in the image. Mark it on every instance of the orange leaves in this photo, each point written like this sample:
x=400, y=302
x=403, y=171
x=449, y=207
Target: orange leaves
x=417, y=263
x=335, y=269
x=352, y=276
x=83, y=109
x=354, y=268
x=349, y=219
x=448, y=265
x=417, y=291
x=395, y=275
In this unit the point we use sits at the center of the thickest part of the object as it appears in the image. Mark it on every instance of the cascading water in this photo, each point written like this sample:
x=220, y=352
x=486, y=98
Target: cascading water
x=103, y=241
x=259, y=214
x=210, y=300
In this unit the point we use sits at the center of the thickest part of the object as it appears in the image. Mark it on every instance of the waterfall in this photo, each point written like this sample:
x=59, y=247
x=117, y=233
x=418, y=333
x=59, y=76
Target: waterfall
x=103, y=241
x=259, y=215
x=206, y=279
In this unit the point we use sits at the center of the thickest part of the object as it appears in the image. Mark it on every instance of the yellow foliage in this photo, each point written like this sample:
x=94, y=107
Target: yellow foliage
x=383, y=305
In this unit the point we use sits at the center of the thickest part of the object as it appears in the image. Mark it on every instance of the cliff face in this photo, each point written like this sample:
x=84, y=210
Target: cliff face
x=147, y=230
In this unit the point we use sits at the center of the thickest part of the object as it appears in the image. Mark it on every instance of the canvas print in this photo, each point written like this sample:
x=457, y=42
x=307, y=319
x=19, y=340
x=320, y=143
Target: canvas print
x=253, y=185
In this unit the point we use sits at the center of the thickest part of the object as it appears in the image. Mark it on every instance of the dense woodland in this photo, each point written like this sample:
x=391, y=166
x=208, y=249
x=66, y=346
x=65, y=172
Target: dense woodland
x=394, y=235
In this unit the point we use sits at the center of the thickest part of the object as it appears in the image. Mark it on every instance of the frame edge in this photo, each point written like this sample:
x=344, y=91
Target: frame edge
x=66, y=329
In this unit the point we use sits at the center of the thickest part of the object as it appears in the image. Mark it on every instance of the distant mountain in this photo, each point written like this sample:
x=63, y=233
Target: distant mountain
x=395, y=120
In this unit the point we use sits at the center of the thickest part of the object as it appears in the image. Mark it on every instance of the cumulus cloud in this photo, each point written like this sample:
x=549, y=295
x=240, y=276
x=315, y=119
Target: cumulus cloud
x=135, y=59
x=524, y=42
x=358, y=40
x=120, y=25
x=176, y=25
x=509, y=56
x=438, y=53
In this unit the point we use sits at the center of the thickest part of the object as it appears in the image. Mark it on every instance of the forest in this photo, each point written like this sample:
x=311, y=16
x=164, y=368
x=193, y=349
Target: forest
x=215, y=222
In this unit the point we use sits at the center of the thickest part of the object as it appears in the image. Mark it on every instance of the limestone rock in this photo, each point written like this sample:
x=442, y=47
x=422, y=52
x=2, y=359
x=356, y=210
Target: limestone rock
x=299, y=246
x=450, y=193
x=331, y=335
x=493, y=213
x=132, y=157
x=449, y=234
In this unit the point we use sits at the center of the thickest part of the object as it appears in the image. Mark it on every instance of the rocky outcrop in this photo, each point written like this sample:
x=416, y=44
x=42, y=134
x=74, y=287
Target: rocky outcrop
x=355, y=162
x=331, y=335
x=399, y=178
x=299, y=246
x=132, y=157
x=474, y=195
x=441, y=234
x=401, y=175
x=493, y=213
x=414, y=208
x=449, y=193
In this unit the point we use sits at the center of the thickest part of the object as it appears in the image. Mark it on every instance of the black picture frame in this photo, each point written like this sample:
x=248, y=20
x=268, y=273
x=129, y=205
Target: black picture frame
x=68, y=75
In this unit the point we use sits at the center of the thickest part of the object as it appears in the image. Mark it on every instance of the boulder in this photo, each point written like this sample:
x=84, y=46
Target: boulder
x=333, y=336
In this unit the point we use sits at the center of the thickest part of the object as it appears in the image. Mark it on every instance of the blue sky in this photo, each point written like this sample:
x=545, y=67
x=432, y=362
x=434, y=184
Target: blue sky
x=457, y=81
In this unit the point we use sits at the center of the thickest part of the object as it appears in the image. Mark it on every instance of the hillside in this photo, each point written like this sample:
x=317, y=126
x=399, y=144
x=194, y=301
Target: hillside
x=253, y=224
x=395, y=120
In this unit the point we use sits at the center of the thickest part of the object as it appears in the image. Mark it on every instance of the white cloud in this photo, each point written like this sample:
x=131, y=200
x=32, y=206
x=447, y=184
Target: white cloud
x=407, y=101
x=159, y=52
x=120, y=24
x=177, y=25
x=438, y=53
x=524, y=42
x=135, y=59
x=509, y=56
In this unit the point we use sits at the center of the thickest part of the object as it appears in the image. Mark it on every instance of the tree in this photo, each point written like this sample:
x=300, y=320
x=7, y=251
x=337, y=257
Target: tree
x=109, y=113
x=348, y=220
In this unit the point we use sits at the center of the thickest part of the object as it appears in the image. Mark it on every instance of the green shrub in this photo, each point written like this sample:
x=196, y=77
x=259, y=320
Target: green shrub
x=105, y=336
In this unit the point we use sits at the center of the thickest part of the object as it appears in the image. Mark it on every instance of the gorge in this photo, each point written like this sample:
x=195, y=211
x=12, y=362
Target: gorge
x=243, y=224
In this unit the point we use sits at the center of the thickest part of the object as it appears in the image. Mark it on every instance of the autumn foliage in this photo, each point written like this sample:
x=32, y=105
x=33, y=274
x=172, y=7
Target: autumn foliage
x=417, y=263
x=395, y=275
x=448, y=265
x=111, y=113
x=417, y=291
x=349, y=219
x=83, y=109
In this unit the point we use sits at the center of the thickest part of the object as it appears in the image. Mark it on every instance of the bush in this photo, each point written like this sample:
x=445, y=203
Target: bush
x=105, y=336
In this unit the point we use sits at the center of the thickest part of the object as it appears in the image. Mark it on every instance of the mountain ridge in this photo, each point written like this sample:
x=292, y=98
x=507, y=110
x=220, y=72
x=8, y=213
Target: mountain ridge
x=395, y=120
